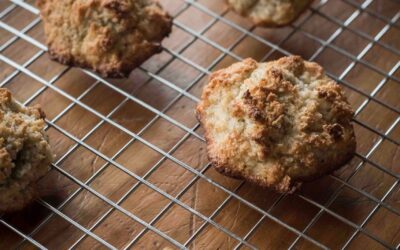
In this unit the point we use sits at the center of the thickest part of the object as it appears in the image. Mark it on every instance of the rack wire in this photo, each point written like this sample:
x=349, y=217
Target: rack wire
x=388, y=200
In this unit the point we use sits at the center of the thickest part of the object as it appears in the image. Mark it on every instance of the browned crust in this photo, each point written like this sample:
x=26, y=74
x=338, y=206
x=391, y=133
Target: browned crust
x=121, y=71
x=286, y=182
x=291, y=187
x=25, y=153
x=109, y=37
x=22, y=200
x=266, y=24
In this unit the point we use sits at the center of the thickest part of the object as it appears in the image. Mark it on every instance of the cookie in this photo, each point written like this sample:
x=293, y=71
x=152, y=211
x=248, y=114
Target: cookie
x=270, y=13
x=110, y=37
x=25, y=154
x=276, y=124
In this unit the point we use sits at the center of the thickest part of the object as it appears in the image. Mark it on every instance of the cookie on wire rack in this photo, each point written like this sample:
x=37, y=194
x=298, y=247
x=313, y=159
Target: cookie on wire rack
x=111, y=37
x=25, y=153
x=270, y=13
x=276, y=124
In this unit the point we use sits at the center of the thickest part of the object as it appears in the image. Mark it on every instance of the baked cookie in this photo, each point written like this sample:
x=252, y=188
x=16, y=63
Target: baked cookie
x=111, y=37
x=276, y=124
x=270, y=13
x=25, y=153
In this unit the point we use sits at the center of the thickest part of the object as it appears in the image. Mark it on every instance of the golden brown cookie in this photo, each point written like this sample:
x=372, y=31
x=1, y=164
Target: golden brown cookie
x=270, y=13
x=25, y=153
x=276, y=124
x=111, y=37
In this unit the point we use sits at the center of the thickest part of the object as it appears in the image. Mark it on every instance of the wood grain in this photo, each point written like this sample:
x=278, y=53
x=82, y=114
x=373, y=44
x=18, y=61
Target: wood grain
x=117, y=228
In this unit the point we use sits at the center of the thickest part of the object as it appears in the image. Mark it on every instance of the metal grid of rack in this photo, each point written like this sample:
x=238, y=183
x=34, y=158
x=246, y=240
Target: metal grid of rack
x=23, y=68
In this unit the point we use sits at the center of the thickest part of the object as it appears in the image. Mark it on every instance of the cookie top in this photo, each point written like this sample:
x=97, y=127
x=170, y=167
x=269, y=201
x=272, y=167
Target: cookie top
x=270, y=12
x=25, y=153
x=111, y=37
x=276, y=124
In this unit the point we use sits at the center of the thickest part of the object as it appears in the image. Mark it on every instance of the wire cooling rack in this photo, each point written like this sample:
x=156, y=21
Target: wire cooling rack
x=356, y=41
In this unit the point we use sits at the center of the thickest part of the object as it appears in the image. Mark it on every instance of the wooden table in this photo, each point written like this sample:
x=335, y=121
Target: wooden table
x=130, y=152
